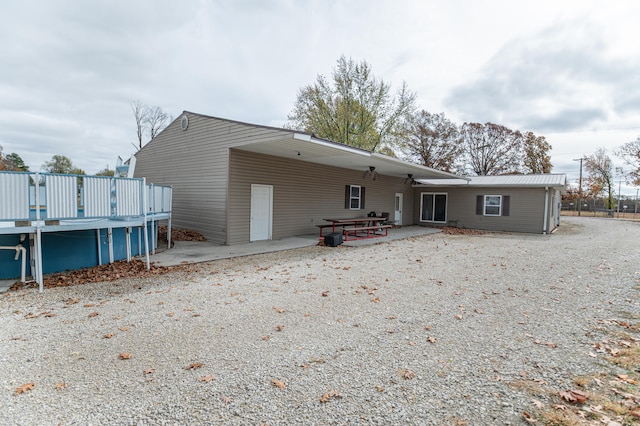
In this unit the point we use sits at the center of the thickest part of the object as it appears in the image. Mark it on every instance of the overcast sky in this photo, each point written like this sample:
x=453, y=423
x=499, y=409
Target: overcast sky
x=566, y=70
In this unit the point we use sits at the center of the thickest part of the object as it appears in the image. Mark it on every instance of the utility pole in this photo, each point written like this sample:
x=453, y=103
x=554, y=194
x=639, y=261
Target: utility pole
x=619, y=195
x=580, y=188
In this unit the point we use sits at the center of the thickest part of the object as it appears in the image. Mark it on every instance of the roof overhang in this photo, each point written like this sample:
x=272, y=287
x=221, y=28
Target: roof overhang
x=504, y=181
x=306, y=147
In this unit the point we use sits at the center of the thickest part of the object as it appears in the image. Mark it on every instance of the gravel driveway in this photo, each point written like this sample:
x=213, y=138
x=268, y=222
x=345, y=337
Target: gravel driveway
x=439, y=329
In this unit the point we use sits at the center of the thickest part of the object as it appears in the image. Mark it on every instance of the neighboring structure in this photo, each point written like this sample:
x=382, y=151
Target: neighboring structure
x=518, y=203
x=236, y=182
x=51, y=222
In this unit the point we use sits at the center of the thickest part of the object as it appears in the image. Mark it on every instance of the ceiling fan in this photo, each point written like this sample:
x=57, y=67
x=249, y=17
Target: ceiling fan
x=370, y=173
x=409, y=179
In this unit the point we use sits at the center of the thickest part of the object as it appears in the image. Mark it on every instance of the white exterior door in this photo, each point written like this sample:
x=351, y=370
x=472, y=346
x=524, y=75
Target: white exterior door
x=397, y=215
x=261, y=212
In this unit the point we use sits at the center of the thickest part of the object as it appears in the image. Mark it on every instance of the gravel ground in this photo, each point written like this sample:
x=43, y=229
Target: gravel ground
x=439, y=329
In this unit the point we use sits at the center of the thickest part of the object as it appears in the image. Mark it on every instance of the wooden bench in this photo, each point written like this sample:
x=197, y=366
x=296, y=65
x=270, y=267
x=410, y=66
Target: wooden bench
x=370, y=230
x=332, y=226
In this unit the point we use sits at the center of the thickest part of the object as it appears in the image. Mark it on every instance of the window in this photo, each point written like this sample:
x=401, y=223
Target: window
x=354, y=197
x=492, y=205
x=433, y=207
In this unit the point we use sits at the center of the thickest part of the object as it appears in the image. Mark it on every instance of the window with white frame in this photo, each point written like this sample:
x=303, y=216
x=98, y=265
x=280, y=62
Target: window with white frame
x=355, y=197
x=493, y=205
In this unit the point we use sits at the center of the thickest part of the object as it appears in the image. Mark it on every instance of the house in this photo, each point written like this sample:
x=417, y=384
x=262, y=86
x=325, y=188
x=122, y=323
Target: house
x=517, y=203
x=236, y=182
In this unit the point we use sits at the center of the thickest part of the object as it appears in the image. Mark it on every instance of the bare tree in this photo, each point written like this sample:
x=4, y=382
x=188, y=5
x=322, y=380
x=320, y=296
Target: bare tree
x=149, y=120
x=630, y=153
x=156, y=120
x=353, y=108
x=491, y=149
x=140, y=112
x=536, y=157
x=600, y=175
x=433, y=141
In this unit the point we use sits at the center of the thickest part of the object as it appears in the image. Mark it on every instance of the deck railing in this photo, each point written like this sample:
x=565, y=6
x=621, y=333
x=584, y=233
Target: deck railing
x=28, y=196
x=33, y=203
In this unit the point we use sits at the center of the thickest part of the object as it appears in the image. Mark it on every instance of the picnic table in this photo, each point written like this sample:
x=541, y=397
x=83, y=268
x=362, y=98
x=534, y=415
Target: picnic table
x=358, y=227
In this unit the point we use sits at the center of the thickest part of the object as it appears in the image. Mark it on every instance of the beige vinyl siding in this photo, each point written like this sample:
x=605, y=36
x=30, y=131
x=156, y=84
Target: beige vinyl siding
x=303, y=194
x=526, y=208
x=195, y=163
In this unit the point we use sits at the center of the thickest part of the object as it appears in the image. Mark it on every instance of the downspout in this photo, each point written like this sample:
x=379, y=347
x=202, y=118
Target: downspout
x=546, y=210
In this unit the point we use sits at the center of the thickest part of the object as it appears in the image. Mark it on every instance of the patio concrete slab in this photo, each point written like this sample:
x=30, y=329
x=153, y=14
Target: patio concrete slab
x=184, y=252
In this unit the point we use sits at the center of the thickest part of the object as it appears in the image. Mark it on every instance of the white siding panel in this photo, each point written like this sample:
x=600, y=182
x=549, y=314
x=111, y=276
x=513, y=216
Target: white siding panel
x=97, y=196
x=61, y=196
x=128, y=197
x=14, y=190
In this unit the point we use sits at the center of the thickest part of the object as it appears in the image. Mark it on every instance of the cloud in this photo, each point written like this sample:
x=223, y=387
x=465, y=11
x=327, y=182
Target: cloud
x=558, y=80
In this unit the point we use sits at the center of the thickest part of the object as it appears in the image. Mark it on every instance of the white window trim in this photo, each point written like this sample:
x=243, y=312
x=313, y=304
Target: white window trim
x=351, y=197
x=446, y=194
x=484, y=207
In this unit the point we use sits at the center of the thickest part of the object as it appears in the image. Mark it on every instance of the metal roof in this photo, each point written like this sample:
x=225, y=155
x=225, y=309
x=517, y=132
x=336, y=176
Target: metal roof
x=522, y=181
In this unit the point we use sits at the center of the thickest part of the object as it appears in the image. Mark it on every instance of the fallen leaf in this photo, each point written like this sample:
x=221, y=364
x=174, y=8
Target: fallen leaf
x=573, y=396
x=25, y=388
x=627, y=379
x=528, y=417
x=407, y=374
x=379, y=388
x=376, y=300
x=325, y=294
x=326, y=397
x=459, y=317
x=279, y=384
x=93, y=314
x=551, y=345
x=124, y=328
x=279, y=310
x=125, y=355
x=108, y=336
x=412, y=343
x=266, y=338
x=206, y=379
x=279, y=327
x=61, y=385
x=194, y=366
x=431, y=339
x=89, y=305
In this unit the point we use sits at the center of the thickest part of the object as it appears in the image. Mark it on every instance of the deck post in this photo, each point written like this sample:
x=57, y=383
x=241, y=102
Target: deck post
x=144, y=212
x=99, y=247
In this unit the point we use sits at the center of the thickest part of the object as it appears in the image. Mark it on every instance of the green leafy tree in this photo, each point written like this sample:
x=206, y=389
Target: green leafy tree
x=630, y=153
x=63, y=165
x=353, y=108
x=14, y=162
x=433, y=141
x=106, y=172
x=491, y=149
x=536, y=158
x=600, y=176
